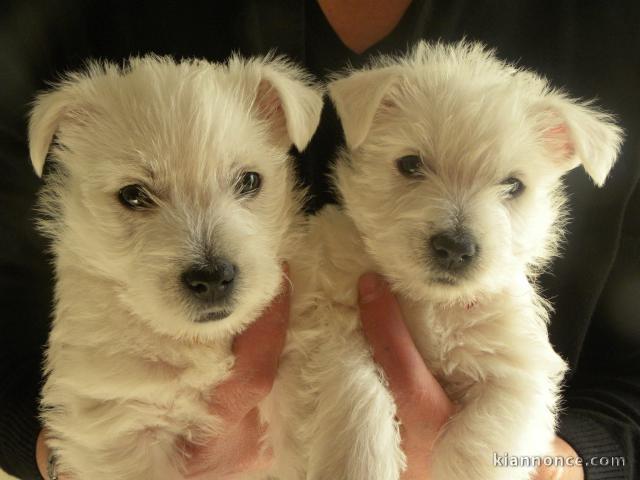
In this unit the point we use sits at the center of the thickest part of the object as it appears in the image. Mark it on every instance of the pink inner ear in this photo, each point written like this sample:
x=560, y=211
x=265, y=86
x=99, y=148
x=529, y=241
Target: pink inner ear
x=388, y=102
x=560, y=141
x=270, y=109
x=269, y=104
x=268, y=100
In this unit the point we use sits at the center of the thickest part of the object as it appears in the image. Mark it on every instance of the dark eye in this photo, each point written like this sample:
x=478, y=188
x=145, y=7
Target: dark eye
x=134, y=197
x=248, y=183
x=410, y=166
x=514, y=187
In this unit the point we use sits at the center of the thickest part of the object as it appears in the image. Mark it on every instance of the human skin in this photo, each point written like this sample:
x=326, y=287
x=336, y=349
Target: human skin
x=423, y=406
x=257, y=352
x=360, y=24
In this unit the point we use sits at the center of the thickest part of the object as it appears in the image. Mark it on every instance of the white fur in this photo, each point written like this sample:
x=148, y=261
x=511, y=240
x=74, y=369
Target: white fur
x=129, y=370
x=475, y=121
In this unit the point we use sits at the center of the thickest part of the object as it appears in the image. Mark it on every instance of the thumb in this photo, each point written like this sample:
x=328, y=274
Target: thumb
x=415, y=389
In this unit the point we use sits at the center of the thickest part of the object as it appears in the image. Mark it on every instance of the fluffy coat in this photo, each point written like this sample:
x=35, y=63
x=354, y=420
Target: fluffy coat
x=132, y=360
x=493, y=142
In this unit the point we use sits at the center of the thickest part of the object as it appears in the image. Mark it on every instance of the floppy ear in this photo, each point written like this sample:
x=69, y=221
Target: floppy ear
x=576, y=133
x=289, y=102
x=48, y=111
x=357, y=98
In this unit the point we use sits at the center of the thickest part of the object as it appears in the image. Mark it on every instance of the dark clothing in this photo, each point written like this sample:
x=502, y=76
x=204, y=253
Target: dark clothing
x=590, y=48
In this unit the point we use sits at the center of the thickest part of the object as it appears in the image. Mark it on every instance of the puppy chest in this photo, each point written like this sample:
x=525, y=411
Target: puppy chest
x=454, y=345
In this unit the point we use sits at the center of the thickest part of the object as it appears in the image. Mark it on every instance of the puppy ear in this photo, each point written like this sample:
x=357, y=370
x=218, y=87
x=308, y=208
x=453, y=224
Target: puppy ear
x=576, y=133
x=65, y=104
x=288, y=100
x=48, y=111
x=357, y=98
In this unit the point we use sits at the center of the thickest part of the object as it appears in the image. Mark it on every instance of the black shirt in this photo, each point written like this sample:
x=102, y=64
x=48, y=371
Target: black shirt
x=592, y=49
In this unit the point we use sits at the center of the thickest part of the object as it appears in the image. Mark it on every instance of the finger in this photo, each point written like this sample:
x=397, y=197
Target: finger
x=258, y=348
x=241, y=450
x=415, y=389
x=257, y=352
x=548, y=473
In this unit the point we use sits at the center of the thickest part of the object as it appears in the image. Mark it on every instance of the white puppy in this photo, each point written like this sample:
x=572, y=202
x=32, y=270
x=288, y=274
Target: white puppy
x=451, y=187
x=171, y=206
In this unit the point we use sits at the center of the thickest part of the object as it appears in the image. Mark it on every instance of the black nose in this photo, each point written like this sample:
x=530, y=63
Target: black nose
x=453, y=251
x=212, y=283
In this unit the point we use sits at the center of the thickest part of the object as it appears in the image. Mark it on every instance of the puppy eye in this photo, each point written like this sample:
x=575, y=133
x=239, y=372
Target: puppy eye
x=248, y=183
x=410, y=166
x=134, y=197
x=514, y=187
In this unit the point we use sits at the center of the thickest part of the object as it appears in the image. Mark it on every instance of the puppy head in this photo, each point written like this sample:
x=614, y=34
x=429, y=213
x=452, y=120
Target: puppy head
x=173, y=182
x=453, y=166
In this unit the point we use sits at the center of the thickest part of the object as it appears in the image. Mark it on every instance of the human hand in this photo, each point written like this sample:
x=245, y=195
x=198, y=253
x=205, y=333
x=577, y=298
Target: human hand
x=257, y=352
x=561, y=449
x=42, y=456
x=423, y=407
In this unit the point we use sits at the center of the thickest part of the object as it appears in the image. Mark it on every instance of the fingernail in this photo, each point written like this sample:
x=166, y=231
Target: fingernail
x=285, y=280
x=285, y=269
x=369, y=286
